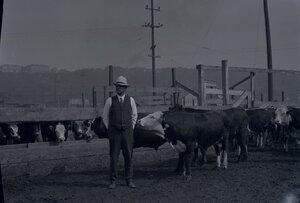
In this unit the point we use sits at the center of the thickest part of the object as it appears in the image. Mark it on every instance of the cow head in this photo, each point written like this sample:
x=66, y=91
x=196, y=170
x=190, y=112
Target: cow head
x=60, y=131
x=89, y=134
x=78, y=129
x=14, y=131
x=282, y=117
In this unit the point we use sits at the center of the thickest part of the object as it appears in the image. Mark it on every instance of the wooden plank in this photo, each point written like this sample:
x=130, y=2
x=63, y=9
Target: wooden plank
x=146, y=89
x=219, y=92
x=47, y=114
x=256, y=70
x=241, y=99
x=185, y=88
x=60, y=114
x=64, y=150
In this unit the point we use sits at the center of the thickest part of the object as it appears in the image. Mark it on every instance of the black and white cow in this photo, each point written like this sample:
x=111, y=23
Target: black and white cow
x=9, y=133
x=283, y=120
x=53, y=131
x=148, y=131
x=80, y=130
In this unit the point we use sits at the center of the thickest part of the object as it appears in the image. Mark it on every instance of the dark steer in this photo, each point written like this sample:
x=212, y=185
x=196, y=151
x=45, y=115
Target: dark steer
x=237, y=119
x=30, y=132
x=189, y=129
x=147, y=133
x=294, y=125
x=295, y=115
x=261, y=121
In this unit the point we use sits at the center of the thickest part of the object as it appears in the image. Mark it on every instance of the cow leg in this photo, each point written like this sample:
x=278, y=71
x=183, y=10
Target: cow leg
x=203, y=157
x=257, y=139
x=286, y=138
x=196, y=156
x=179, y=169
x=218, y=153
x=242, y=143
x=188, y=156
x=224, y=151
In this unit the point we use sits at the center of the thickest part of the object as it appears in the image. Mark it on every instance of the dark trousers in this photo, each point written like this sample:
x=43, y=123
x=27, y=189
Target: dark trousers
x=120, y=139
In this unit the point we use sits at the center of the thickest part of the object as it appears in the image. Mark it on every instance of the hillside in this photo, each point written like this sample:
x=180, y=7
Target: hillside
x=57, y=87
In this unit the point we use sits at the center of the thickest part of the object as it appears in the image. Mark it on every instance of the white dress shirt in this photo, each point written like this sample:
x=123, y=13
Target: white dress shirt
x=107, y=106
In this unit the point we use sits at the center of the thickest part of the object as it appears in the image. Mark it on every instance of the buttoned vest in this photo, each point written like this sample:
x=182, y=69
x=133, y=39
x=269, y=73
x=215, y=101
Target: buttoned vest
x=120, y=113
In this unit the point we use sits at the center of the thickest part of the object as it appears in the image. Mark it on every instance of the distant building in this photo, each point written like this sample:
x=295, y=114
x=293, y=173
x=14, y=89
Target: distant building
x=9, y=68
x=78, y=102
x=36, y=68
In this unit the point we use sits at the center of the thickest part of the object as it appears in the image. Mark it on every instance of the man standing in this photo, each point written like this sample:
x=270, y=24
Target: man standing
x=119, y=117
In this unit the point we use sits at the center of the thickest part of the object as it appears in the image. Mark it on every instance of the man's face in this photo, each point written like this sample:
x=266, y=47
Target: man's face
x=120, y=89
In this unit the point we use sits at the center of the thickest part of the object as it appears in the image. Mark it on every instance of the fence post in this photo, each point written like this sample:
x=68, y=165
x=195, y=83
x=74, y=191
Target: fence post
x=104, y=94
x=94, y=97
x=282, y=96
x=174, y=85
x=82, y=98
x=261, y=97
x=252, y=88
x=110, y=77
x=201, y=89
x=225, y=82
x=1, y=186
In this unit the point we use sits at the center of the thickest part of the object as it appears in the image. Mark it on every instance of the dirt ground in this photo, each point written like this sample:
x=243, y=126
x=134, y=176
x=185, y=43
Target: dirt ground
x=268, y=176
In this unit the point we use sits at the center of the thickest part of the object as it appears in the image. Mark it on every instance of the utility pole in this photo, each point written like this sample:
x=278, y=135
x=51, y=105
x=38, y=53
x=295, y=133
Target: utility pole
x=153, y=45
x=269, y=51
x=1, y=183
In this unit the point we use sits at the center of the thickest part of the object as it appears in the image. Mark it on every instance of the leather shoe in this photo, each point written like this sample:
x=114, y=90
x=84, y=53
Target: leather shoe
x=112, y=185
x=131, y=184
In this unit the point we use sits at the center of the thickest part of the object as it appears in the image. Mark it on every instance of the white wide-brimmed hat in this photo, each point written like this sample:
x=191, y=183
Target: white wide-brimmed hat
x=121, y=81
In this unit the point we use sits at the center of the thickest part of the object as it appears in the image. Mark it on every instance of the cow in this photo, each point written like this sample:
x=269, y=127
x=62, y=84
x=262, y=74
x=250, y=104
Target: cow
x=2, y=137
x=192, y=129
x=10, y=134
x=30, y=132
x=53, y=131
x=237, y=126
x=148, y=131
x=237, y=119
x=261, y=121
x=283, y=120
x=81, y=130
x=295, y=117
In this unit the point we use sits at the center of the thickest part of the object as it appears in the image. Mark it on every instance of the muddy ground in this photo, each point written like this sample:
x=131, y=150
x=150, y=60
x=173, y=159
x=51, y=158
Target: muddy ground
x=268, y=176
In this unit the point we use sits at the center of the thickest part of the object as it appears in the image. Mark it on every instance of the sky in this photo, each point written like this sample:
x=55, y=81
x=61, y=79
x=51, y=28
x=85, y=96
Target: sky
x=75, y=34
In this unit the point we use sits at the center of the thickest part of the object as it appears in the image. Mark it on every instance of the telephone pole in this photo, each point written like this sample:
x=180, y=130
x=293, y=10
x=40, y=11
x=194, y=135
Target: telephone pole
x=269, y=51
x=153, y=45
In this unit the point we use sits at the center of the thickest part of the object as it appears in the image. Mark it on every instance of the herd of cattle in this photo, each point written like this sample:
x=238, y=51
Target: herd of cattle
x=187, y=130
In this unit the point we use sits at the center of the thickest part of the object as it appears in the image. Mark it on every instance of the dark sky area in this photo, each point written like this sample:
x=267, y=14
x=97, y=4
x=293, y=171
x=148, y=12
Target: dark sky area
x=76, y=34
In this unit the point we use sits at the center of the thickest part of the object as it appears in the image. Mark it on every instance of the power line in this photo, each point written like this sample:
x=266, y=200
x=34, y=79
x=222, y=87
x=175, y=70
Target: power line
x=67, y=31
